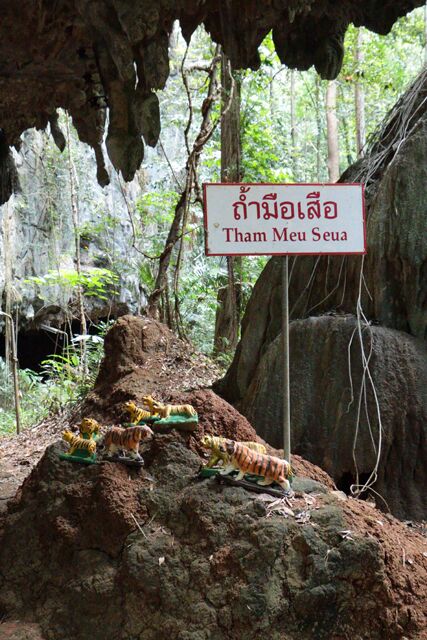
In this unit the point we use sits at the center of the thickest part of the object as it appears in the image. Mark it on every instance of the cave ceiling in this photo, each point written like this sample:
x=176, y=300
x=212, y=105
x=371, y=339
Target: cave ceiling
x=89, y=55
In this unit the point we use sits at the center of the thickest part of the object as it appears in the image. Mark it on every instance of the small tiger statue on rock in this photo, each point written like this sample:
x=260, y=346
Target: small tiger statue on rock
x=117, y=439
x=166, y=410
x=149, y=401
x=214, y=442
x=90, y=427
x=136, y=414
x=245, y=460
x=76, y=442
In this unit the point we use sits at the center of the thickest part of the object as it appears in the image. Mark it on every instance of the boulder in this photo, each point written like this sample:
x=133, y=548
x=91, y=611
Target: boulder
x=109, y=553
x=325, y=406
x=391, y=285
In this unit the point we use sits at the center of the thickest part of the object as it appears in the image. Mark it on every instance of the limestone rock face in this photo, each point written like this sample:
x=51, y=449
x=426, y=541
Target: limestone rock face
x=87, y=55
x=325, y=404
x=205, y=562
x=40, y=235
x=396, y=264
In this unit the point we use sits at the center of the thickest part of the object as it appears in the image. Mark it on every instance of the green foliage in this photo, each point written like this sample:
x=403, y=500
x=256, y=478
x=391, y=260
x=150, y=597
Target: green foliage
x=95, y=282
x=61, y=382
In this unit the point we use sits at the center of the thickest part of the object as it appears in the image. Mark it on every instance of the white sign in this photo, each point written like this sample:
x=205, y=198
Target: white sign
x=280, y=219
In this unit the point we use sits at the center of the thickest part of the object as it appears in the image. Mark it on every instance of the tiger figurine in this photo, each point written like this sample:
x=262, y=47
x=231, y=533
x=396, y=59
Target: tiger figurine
x=149, y=401
x=166, y=410
x=136, y=414
x=76, y=442
x=213, y=443
x=117, y=438
x=90, y=427
x=272, y=469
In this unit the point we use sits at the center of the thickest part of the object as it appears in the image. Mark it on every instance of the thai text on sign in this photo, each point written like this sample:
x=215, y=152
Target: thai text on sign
x=280, y=219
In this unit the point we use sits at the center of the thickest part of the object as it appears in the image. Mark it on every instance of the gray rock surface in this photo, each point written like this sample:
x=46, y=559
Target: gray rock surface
x=42, y=236
x=325, y=403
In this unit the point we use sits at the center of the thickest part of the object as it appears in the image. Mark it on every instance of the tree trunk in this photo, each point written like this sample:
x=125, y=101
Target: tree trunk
x=76, y=229
x=425, y=35
x=7, y=282
x=332, y=131
x=359, y=96
x=293, y=128
x=181, y=209
x=319, y=132
x=228, y=309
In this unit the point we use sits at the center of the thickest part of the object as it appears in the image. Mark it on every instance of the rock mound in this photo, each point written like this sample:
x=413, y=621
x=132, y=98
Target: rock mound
x=142, y=356
x=97, y=552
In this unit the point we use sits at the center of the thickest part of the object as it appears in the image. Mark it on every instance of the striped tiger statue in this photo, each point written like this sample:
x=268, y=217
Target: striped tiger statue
x=136, y=414
x=213, y=443
x=245, y=460
x=166, y=410
x=76, y=442
x=90, y=427
x=149, y=401
x=128, y=439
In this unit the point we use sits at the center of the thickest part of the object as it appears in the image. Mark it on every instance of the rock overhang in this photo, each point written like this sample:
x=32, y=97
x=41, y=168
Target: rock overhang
x=87, y=56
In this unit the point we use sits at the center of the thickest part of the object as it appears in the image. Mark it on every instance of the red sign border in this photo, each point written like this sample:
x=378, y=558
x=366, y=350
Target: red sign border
x=290, y=184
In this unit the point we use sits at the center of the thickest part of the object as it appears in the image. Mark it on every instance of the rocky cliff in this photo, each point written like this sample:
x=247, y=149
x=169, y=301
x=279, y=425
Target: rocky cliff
x=37, y=234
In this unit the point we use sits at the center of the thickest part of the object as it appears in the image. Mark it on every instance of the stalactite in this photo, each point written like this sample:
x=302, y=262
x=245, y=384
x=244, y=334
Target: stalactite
x=90, y=56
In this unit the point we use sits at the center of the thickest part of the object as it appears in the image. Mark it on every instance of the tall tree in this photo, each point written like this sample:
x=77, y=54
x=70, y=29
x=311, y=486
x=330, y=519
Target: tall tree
x=332, y=131
x=319, y=132
x=8, y=276
x=207, y=128
x=228, y=309
x=359, y=95
x=425, y=35
x=292, y=99
x=76, y=229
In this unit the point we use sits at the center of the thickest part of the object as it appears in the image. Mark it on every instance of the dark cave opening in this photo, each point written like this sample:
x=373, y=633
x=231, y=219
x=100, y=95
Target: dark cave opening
x=35, y=345
x=348, y=479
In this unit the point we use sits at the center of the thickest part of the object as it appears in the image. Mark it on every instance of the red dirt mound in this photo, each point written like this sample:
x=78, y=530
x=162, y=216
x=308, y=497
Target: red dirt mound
x=98, y=552
x=142, y=356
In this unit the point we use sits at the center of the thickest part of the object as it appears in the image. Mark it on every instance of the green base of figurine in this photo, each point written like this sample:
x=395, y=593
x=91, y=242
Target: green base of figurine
x=208, y=472
x=163, y=425
x=182, y=423
x=81, y=456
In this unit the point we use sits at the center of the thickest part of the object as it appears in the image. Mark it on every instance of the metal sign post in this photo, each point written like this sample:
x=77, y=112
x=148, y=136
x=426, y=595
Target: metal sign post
x=284, y=220
x=285, y=355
